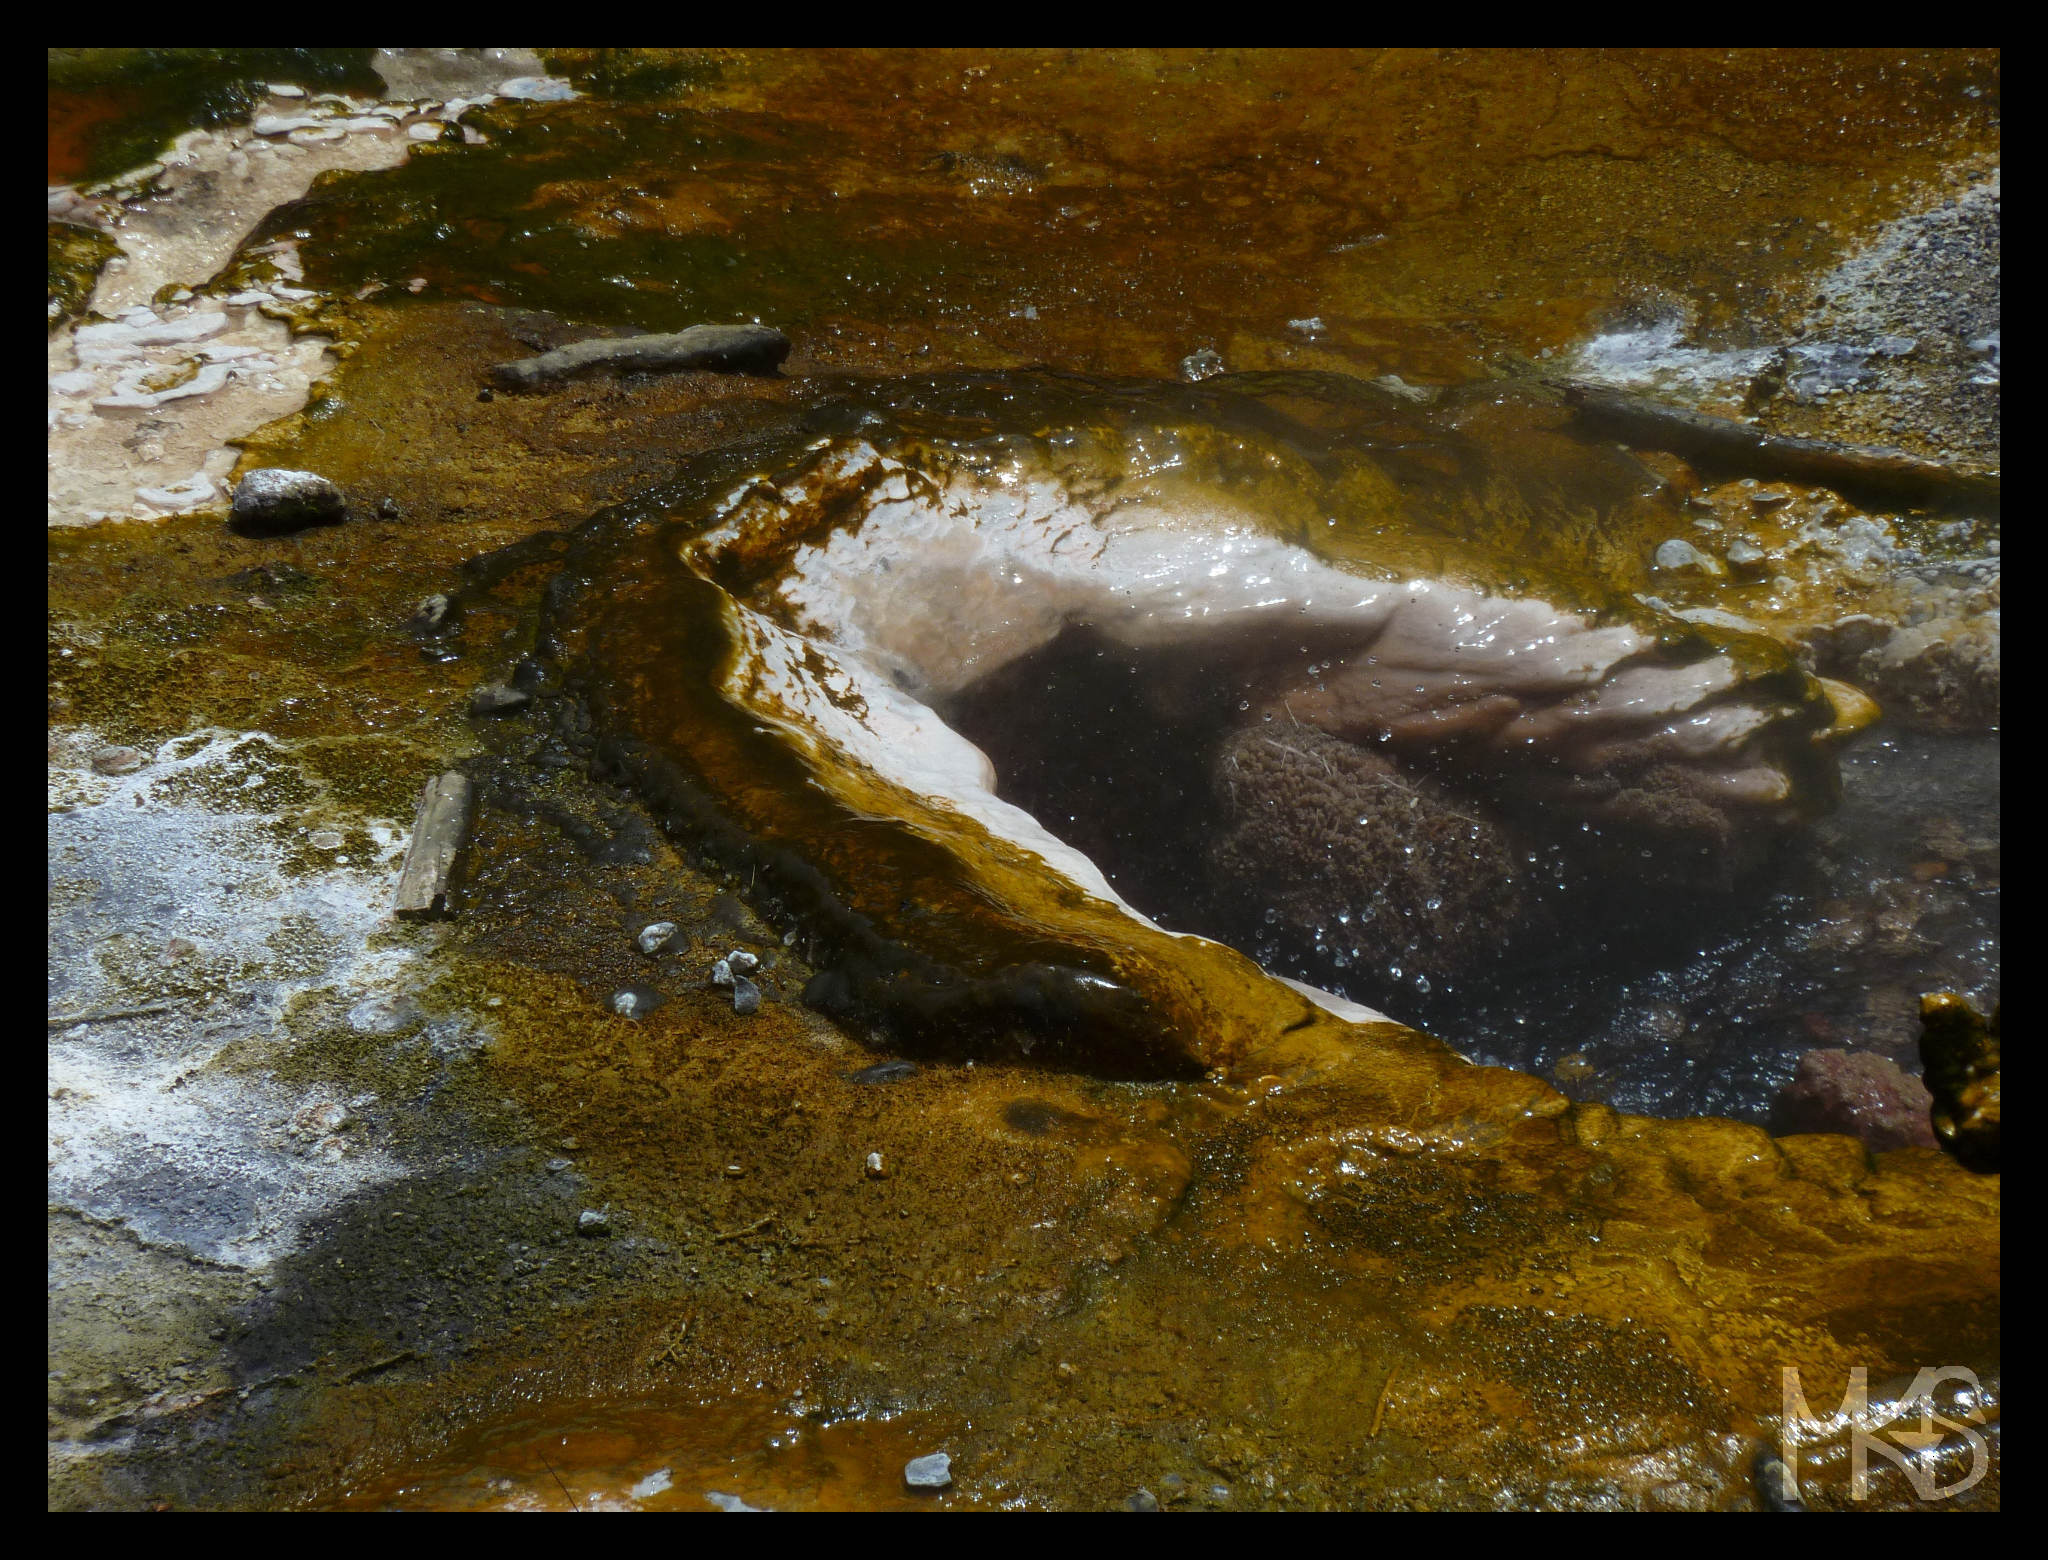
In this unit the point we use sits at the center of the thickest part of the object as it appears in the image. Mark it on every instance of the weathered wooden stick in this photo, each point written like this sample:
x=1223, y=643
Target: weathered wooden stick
x=1891, y=474
x=751, y=349
x=438, y=832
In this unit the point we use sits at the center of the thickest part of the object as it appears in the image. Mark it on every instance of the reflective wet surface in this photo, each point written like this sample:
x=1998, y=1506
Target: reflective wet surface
x=1145, y=411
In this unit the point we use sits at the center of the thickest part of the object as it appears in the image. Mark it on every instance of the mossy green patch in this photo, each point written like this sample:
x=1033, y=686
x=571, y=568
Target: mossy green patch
x=76, y=255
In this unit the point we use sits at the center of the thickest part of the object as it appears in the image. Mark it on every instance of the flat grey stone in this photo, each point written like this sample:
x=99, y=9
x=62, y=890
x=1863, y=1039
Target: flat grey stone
x=119, y=760
x=656, y=936
x=439, y=830
x=746, y=997
x=750, y=349
x=1680, y=554
x=934, y=1471
x=275, y=501
x=498, y=699
x=593, y=1222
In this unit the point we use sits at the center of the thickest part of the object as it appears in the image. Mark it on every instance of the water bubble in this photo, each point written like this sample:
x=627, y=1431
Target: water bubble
x=1272, y=915
x=1244, y=704
x=1432, y=904
x=1422, y=983
x=1395, y=972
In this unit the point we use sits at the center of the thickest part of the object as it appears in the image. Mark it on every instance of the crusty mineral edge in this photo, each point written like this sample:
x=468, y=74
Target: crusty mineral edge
x=438, y=832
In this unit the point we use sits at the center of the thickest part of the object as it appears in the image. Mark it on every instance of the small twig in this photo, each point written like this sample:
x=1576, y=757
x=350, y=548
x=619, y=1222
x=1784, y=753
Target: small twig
x=1379, y=1409
x=374, y=1366
x=755, y=1228
x=72, y=1020
x=571, y=1499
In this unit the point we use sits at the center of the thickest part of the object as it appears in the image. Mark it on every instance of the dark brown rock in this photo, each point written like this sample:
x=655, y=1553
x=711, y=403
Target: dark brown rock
x=1959, y=1049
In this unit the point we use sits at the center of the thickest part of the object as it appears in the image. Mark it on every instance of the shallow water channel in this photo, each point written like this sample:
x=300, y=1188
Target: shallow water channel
x=1326, y=918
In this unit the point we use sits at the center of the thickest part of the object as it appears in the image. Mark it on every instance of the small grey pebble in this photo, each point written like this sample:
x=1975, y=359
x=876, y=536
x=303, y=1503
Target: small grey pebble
x=1745, y=554
x=721, y=973
x=431, y=614
x=593, y=1221
x=119, y=760
x=742, y=962
x=656, y=936
x=498, y=699
x=933, y=1471
x=387, y=509
x=636, y=1001
x=1144, y=1500
x=1680, y=554
x=746, y=996
x=558, y=1165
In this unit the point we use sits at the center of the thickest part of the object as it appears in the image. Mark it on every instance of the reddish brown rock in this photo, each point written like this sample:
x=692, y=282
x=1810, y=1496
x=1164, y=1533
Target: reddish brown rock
x=1859, y=1093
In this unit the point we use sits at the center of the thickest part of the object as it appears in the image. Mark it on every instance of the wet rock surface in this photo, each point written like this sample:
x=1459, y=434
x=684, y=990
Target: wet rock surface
x=1960, y=1049
x=273, y=502
x=1347, y=1272
x=752, y=349
x=1866, y=1096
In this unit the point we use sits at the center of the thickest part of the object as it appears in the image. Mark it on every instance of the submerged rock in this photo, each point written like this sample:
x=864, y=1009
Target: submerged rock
x=272, y=501
x=1341, y=845
x=1858, y=1093
x=933, y=1471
